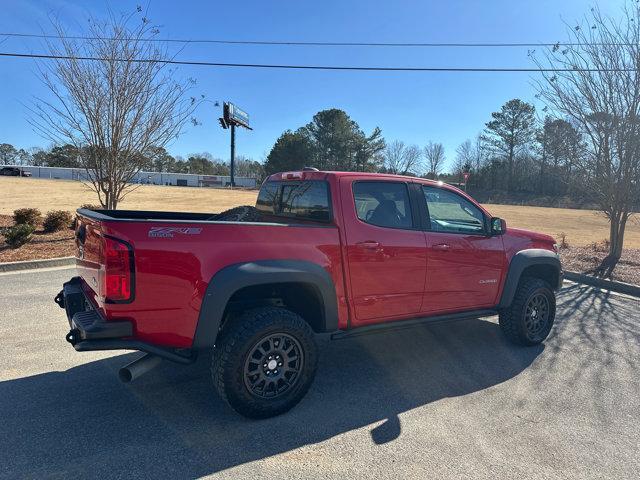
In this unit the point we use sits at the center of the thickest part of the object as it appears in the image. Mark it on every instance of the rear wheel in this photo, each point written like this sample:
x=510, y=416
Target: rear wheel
x=264, y=362
x=529, y=318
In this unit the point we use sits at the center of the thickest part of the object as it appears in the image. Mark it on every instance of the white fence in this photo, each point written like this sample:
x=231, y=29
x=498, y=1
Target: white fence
x=151, y=178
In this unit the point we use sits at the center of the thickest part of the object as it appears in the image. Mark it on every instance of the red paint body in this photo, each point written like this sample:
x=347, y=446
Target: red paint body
x=380, y=274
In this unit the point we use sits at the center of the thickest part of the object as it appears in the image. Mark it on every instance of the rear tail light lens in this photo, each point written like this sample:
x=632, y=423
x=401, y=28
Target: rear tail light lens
x=118, y=271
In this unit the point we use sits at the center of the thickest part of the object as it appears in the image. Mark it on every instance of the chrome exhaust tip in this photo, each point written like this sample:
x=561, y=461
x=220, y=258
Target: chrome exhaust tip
x=138, y=367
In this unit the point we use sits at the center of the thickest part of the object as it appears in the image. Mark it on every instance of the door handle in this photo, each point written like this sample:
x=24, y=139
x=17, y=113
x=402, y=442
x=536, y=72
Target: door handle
x=441, y=246
x=369, y=245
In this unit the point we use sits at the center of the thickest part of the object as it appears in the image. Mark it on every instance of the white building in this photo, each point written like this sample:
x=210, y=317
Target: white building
x=151, y=178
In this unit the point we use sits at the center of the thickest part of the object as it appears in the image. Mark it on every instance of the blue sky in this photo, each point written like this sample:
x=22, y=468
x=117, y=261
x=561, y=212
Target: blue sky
x=413, y=107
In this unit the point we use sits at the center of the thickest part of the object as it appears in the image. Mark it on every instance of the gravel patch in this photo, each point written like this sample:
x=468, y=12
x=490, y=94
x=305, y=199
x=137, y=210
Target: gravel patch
x=586, y=259
x=42, y=245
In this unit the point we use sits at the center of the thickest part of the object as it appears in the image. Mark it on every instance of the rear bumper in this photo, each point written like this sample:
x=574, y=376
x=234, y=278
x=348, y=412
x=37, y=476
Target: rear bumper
x=91, y=332
x=86, y=323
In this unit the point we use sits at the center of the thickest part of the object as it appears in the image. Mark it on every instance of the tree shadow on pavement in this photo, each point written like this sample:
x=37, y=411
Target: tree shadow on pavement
x=599, y=319
x=602, y=336
x=171, y=423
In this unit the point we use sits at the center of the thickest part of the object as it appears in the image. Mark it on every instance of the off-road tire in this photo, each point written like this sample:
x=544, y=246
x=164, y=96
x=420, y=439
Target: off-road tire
x=513, y=319
x=239, y=339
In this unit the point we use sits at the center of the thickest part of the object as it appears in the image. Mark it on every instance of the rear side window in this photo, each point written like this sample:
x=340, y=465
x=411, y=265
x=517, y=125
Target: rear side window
x=268, y=198
x=307, y=200
x=385, y=204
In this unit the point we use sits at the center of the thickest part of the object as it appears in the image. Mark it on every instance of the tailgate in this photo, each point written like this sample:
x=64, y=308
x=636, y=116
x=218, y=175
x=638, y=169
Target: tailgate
x=88, y=237
x=104, y=263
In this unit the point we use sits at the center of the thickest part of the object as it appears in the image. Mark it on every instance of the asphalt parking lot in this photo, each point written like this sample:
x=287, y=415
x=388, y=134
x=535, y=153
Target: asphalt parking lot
x=437, y=401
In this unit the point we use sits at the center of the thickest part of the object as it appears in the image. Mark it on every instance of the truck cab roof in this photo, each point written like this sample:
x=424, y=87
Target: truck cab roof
x=324, y=174
x=314, y=174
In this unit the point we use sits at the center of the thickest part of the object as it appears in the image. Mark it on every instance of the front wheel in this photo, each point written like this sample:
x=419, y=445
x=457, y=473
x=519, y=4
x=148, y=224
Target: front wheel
x=264, y=362
x=529, y=318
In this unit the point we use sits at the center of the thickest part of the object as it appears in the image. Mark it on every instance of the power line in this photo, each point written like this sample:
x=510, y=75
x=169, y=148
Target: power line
x=315, y=67
x=316, y=44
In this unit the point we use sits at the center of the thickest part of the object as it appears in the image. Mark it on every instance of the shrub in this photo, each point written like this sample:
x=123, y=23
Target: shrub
x=57, y=220
x=91, y=207
x=602, y=246
x=563, y=244
x=27, y=216
x=18, y=235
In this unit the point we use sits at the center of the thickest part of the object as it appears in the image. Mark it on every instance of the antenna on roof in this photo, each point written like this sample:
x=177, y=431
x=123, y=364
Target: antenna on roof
x=310, y=169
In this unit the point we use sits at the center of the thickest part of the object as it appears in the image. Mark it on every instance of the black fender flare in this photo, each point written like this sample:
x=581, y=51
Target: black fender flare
x=232, y=278
x=521, y=261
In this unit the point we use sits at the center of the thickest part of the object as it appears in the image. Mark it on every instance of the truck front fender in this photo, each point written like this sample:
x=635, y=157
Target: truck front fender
x=233, y=278
x=535, y=262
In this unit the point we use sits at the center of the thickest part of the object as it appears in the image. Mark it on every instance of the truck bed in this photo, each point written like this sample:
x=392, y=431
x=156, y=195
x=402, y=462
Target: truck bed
x=142, y=215
x=175, y=256
x=156, y=216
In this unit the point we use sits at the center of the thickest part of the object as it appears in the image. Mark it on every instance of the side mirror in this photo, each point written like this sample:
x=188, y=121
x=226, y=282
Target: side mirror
x=498, y=226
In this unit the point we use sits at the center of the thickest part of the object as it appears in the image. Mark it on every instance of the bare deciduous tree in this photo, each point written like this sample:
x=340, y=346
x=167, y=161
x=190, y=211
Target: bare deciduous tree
x=114, y=99
x=401, y=159
x=434, y=154
x=479, y=158
x=598, y=88
x=413, y=157
x=464, y=157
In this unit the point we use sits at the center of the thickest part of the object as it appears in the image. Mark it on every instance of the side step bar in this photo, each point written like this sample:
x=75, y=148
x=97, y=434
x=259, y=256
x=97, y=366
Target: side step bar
x=403, y=324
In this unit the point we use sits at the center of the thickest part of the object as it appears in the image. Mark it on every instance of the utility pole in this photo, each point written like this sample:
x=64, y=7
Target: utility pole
x=233, y=154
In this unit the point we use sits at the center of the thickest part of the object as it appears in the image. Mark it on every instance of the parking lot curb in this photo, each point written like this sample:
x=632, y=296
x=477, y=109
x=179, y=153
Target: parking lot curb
x=620, y=287
x=30, y=264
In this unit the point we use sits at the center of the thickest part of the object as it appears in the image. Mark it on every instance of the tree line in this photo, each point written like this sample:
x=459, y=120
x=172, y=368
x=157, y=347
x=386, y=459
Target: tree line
x=334, y=141
x=156, y=160
x=515, y=152
x=519, y=153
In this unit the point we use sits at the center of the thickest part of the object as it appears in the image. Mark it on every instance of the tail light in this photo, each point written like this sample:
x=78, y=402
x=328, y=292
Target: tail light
x=118, y=277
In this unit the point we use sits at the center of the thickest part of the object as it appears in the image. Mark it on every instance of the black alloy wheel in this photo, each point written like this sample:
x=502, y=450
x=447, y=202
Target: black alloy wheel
x=536, y=314
x=273, y=365
x=530, y=317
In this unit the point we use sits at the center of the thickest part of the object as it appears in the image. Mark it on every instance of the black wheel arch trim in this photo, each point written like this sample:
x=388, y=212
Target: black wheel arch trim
x=520, y=262
x=232, y=278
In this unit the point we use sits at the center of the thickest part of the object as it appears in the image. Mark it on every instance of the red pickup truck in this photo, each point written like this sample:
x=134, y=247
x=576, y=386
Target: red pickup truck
x=332, y=252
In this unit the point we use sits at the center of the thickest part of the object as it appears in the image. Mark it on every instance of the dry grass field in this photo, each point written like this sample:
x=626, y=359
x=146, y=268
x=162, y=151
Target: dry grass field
x=582, y=227
x=47, y=195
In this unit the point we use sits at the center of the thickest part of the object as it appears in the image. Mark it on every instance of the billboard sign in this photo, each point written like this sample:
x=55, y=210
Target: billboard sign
x=235, y=115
